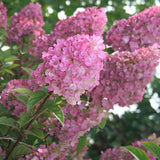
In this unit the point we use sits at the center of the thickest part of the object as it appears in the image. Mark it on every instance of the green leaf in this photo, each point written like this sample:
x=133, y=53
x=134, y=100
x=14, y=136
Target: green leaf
x=28, y=63
x=3, y=130
x=3, y=32
x=102, y=124
x=10, y=59
x=25, y=118
x=35, y=98
x=81, y=143
x=20, y=150
x=35, y=132
x=5, y=66
x=58, y=100
x=28, y=70
x=57, y=111
x=26, y=56
x=7, y=71
x=152, y=147
x=5, y=54
x=13, y=66
x=22, y=98
x=8, y=122
x=138, y=153
x=37, y=124
x=23, y=90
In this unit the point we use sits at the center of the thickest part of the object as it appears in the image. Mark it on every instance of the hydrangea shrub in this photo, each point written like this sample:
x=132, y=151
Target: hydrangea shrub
x=56, y=87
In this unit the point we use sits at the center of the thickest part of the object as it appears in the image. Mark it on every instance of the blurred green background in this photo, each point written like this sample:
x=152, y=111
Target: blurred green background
x=131, y=126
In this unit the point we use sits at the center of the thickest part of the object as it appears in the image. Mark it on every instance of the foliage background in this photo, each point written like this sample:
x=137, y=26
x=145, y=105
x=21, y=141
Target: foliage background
x=131, y=126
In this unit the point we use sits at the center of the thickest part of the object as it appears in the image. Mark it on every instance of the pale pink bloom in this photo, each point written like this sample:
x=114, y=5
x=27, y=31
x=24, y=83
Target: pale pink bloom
x=91, y=22
x=28, y=21
x=140, y=30
x=125, y=76
x=66, y=69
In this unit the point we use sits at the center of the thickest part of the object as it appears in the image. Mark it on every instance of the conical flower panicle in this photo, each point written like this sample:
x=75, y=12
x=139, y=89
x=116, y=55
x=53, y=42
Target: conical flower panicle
x=140, y=30
x=125, y=76
x=72, y=66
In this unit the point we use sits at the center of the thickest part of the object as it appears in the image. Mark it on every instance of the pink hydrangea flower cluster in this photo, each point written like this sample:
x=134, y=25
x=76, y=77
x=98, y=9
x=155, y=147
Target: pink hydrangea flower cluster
x=53, y=152
x=91, y=21
x=3, y=16
x=72, y=66
x=50, y=153
x=116, y=154
x=8, y=99
x=78, y=120
x=28, y=21
x=122, y=154
x=40, y=153
x=125, y=76
x=140, y=30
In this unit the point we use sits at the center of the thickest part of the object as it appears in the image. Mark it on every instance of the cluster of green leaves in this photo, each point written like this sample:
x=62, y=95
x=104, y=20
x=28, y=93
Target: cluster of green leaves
x=7, y=61
x=140, y=154
x=13, y=63
x=28, y=129
x=14, y=60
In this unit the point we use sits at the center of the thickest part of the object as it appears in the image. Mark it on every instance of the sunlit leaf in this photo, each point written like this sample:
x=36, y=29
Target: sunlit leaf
x=138, y=153
x=152, y=147
x=23, y=90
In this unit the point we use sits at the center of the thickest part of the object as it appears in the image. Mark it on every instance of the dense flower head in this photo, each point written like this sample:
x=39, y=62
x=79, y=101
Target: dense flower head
x=125, y=76
x=91, y=22
x=140, y=30
x=28, y=21
x=122, y=154
x=3, y=16
x=32, y=11
x=8, y=99
x=78, y=120
x=72, y=66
